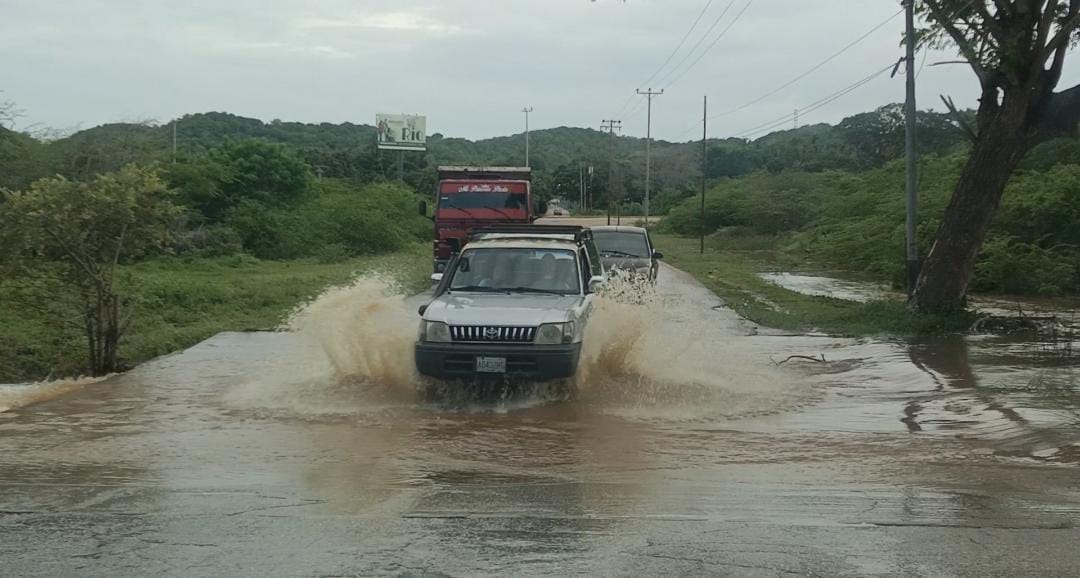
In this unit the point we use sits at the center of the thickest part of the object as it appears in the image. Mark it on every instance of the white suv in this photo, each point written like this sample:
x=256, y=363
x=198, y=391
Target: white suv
x=514, y=302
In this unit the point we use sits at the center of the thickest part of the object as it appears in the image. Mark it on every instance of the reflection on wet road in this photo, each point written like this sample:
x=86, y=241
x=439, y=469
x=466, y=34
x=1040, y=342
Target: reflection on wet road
x=686, y=451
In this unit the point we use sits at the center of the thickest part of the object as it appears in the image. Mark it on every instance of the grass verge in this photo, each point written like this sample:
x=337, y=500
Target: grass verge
x=730, y=269
x=178, y=303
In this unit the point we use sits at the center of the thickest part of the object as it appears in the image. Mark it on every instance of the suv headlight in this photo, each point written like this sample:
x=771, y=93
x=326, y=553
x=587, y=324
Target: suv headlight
x=555, y=333
x=434, y=331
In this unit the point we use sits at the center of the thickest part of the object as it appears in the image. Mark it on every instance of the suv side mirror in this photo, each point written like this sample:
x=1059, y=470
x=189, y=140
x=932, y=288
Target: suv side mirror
x=657, y=255
x=423, y=208
x=595, y=283
x=436, y=277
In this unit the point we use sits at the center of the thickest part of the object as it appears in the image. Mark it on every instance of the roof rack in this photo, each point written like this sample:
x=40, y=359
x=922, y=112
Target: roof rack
x=578, y=232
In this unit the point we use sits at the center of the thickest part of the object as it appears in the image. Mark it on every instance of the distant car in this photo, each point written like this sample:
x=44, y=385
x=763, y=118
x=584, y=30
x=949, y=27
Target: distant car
x=627, y=249
x=515, y=301
x=558, y=212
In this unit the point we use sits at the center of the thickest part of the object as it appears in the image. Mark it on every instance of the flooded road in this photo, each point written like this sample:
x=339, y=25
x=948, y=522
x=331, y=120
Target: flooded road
x=694, y=446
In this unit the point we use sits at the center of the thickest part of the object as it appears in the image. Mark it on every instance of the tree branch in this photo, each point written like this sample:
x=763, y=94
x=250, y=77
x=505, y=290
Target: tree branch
x=1065, y=30
x=962, y=124
x=1045, y=23
x=94, y=275
x=1003, y=7
x=961, y=41
x=991, y=25
x=1061, y=117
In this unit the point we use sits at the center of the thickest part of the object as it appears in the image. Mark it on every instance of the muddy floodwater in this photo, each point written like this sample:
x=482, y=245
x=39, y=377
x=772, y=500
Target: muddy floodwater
x=694, y=445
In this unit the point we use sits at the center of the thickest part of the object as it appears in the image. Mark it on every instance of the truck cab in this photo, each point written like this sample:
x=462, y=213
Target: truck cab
x=468, y=198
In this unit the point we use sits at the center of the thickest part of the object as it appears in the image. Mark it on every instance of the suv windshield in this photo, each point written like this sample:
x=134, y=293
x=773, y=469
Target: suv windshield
x=621, y=244
x=504, y=269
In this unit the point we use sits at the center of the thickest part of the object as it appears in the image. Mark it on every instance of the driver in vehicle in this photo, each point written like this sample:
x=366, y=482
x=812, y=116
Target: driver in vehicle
x=554, y=276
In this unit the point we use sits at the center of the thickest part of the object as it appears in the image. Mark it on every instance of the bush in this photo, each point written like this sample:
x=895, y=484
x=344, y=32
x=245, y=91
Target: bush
x=856, y=220
x=208, y=241
x=1007, y=265
x=337, y=222
x=766, y=203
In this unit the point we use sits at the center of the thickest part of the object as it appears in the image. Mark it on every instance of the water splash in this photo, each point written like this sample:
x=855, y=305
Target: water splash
x=366, y=330
x=678, y=354
x=645, y=352
x=14, y=396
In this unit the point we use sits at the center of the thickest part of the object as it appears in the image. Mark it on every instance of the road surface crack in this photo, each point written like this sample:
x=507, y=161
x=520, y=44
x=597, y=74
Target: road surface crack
x=265, y=508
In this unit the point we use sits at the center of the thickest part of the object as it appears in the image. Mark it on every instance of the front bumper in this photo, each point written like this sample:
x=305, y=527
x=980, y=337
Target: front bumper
x=458, y=360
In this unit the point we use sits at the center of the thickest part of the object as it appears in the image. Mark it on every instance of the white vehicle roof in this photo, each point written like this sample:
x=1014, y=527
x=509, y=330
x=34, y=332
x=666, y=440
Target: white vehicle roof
x=618, y=229
x=544, y=236
x=522, y=242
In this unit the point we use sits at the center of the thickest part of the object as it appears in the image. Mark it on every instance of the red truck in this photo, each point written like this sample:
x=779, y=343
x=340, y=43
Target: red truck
x=470, y=197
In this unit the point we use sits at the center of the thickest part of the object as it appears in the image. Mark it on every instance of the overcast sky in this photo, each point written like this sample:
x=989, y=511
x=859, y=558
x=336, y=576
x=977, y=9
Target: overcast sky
x=469, y=65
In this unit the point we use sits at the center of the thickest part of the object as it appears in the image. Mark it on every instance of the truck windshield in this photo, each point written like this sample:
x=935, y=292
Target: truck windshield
x=621, y=243
x=517, y=270
x=472, y=200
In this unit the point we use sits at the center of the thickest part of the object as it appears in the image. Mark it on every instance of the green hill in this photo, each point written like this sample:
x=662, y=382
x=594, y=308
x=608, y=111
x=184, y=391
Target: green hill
x=348, y=151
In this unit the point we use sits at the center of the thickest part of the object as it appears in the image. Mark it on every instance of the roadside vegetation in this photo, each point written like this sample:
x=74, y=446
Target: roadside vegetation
x=855, y=220
x=178, y=302
x=313, y=201
x=730, y=267
x=109, y=266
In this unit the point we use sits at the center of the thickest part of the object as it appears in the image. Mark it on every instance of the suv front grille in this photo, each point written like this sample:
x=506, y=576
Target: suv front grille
x=492, y=333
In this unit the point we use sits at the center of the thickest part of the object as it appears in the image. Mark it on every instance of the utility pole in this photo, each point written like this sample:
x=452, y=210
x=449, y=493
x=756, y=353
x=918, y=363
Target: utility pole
x=527, y=110
x=796, y=119
x=611, y=126
x=581, y=186
x=910, y=152
x=649, y=94
x=589, y=188
x=704, y=163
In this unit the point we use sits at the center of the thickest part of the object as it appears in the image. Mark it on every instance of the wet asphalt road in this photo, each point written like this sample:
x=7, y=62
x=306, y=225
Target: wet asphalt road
x=244, y=456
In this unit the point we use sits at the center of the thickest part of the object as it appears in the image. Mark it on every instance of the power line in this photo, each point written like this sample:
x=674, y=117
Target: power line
x=780, y=121
x=681, y=42
x=713, y=45
x=670, y=56
x=699, y=42
x=808, y=72
x=803, y=110
x=811, y=70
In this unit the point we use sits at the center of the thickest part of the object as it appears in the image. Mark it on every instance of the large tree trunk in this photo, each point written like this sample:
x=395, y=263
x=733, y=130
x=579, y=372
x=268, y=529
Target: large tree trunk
x=950, y=265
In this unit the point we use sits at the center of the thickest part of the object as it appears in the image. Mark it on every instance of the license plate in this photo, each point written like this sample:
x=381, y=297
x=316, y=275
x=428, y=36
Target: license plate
x=491, y=364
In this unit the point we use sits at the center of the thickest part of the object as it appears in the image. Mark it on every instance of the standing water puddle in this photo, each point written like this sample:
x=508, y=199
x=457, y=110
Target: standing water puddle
x=1016, y=395
x=677, y=362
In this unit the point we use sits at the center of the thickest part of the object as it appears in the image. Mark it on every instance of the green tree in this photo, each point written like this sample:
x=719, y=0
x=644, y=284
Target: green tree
x=266, y=172
x=1016, y=49
x=878, y=136
x=77, y=233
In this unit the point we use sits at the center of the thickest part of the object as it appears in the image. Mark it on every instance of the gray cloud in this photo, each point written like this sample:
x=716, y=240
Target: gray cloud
x=470, y=65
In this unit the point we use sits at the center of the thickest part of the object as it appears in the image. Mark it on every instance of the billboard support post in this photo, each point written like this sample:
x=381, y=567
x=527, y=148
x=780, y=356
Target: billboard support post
x=401, y=132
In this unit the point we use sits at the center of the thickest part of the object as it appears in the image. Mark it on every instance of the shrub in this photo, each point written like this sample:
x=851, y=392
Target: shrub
x=337, y=221
x=1010, y=266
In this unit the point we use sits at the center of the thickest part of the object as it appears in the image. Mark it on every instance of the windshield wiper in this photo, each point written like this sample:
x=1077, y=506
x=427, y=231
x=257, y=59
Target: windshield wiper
x=451, y=205
x=480, y=289
x=621, y=254
x=535, y=290
x=501, y=212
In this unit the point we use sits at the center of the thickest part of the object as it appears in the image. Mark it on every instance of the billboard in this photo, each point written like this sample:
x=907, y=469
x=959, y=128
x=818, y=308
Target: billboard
x=401, y=132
